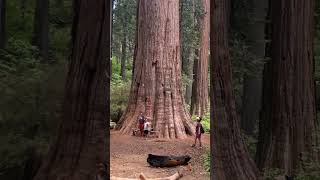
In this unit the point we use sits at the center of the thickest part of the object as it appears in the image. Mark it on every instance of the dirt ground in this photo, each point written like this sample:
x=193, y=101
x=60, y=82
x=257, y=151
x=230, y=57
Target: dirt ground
x=129, y=154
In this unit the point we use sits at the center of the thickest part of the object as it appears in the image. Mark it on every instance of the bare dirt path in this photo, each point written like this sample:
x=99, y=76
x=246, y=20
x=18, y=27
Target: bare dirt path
x=129, y=154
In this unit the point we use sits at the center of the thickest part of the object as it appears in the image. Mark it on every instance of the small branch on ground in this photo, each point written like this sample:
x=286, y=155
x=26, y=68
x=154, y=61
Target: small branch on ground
x=176, y=176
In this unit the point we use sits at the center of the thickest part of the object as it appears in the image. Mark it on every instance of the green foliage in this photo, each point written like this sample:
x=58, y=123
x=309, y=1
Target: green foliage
x=124, y=26
x=31, y=92
x=119, y=92
x=271, y=174
x=243, y=63
x=309, y=169
x=31, y=97
x=251, y=143
x=191, y=12
x=205, y=122
x=206, y=160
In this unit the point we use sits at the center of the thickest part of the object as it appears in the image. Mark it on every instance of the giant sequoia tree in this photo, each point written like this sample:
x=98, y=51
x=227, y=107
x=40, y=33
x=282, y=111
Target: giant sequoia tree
x=200, y=98
x=41, y=28
x=156, y=86
x=230, y=159
x=288, y=112
x=82, y=137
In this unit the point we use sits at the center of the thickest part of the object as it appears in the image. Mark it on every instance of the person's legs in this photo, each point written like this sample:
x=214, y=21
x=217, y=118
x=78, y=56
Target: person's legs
x=141, y=130
x=195, y=142
x=200, y=141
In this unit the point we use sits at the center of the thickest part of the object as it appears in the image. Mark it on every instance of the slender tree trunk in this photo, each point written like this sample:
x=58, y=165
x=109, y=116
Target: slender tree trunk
x=289, y=114
x=156, y=86
x=2, y=23
x=200, y=101
x=124, y=43
x=229, y=157
x=190, y=66
x=82, y=140
x=252, y=87
x=41, y=28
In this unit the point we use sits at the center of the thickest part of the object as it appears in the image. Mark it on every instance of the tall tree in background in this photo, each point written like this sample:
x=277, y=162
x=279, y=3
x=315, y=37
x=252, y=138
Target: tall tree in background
x=41, y=28
x=229, y=157
x=124, y=41
x=200, y=98
x=289, y=114
x=156, y=86
x=2, y=23
x=252, y=85
x=188, y=42
x=82, y=137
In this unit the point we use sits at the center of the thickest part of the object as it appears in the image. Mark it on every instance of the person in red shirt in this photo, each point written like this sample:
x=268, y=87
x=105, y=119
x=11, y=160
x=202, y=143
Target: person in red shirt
x=199, y=131
x=141, y=121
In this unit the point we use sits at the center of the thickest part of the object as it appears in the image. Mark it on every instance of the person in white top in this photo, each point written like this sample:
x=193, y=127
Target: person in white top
x=147, y=127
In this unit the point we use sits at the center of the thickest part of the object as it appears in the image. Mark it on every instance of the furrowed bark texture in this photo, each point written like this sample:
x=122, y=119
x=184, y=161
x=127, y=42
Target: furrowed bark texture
x=156, y=86
x=82, y=140
x=289, y=114
x=200, y=97
x=229, y=157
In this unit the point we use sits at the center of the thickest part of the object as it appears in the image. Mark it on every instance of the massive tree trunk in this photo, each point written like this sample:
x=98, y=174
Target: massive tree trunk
x=252, y=87
x=2, y=23
x=289, y=114
x=199, y=101
x=156, y=88
x=41, y=28
x=82, y=140
x=229, y=157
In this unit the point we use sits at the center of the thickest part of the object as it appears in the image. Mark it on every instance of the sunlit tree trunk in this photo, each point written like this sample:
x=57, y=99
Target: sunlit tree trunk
x=200, y=98
x=289, y=114
x=156, y=85
x=82, y=140
x=229, y=157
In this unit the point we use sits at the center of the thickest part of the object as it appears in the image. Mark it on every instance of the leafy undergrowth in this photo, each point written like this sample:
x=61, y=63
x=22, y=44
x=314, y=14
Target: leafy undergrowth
x=205, y=122
x=206, y=160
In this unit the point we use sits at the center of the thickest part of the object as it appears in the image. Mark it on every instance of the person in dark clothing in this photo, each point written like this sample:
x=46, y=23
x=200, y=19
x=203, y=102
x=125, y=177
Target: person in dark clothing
x=141, y=121
x=199, y=131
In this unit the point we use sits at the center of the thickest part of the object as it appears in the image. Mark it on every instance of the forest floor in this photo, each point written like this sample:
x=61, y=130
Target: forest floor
x=129, y=154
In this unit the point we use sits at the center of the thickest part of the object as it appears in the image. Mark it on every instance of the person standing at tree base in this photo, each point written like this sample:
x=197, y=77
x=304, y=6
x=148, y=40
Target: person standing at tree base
x=199, y=131
x=141, y=121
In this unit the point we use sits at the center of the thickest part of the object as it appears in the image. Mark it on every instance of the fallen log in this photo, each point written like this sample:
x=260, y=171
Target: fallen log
x=176, y=176
x=167, y=161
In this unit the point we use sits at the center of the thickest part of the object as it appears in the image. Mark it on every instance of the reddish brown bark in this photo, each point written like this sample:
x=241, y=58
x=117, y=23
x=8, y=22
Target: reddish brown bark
x=156, y=85
x=289, y=114
x=82, y=140
x=229, y=157
x=200, y=88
